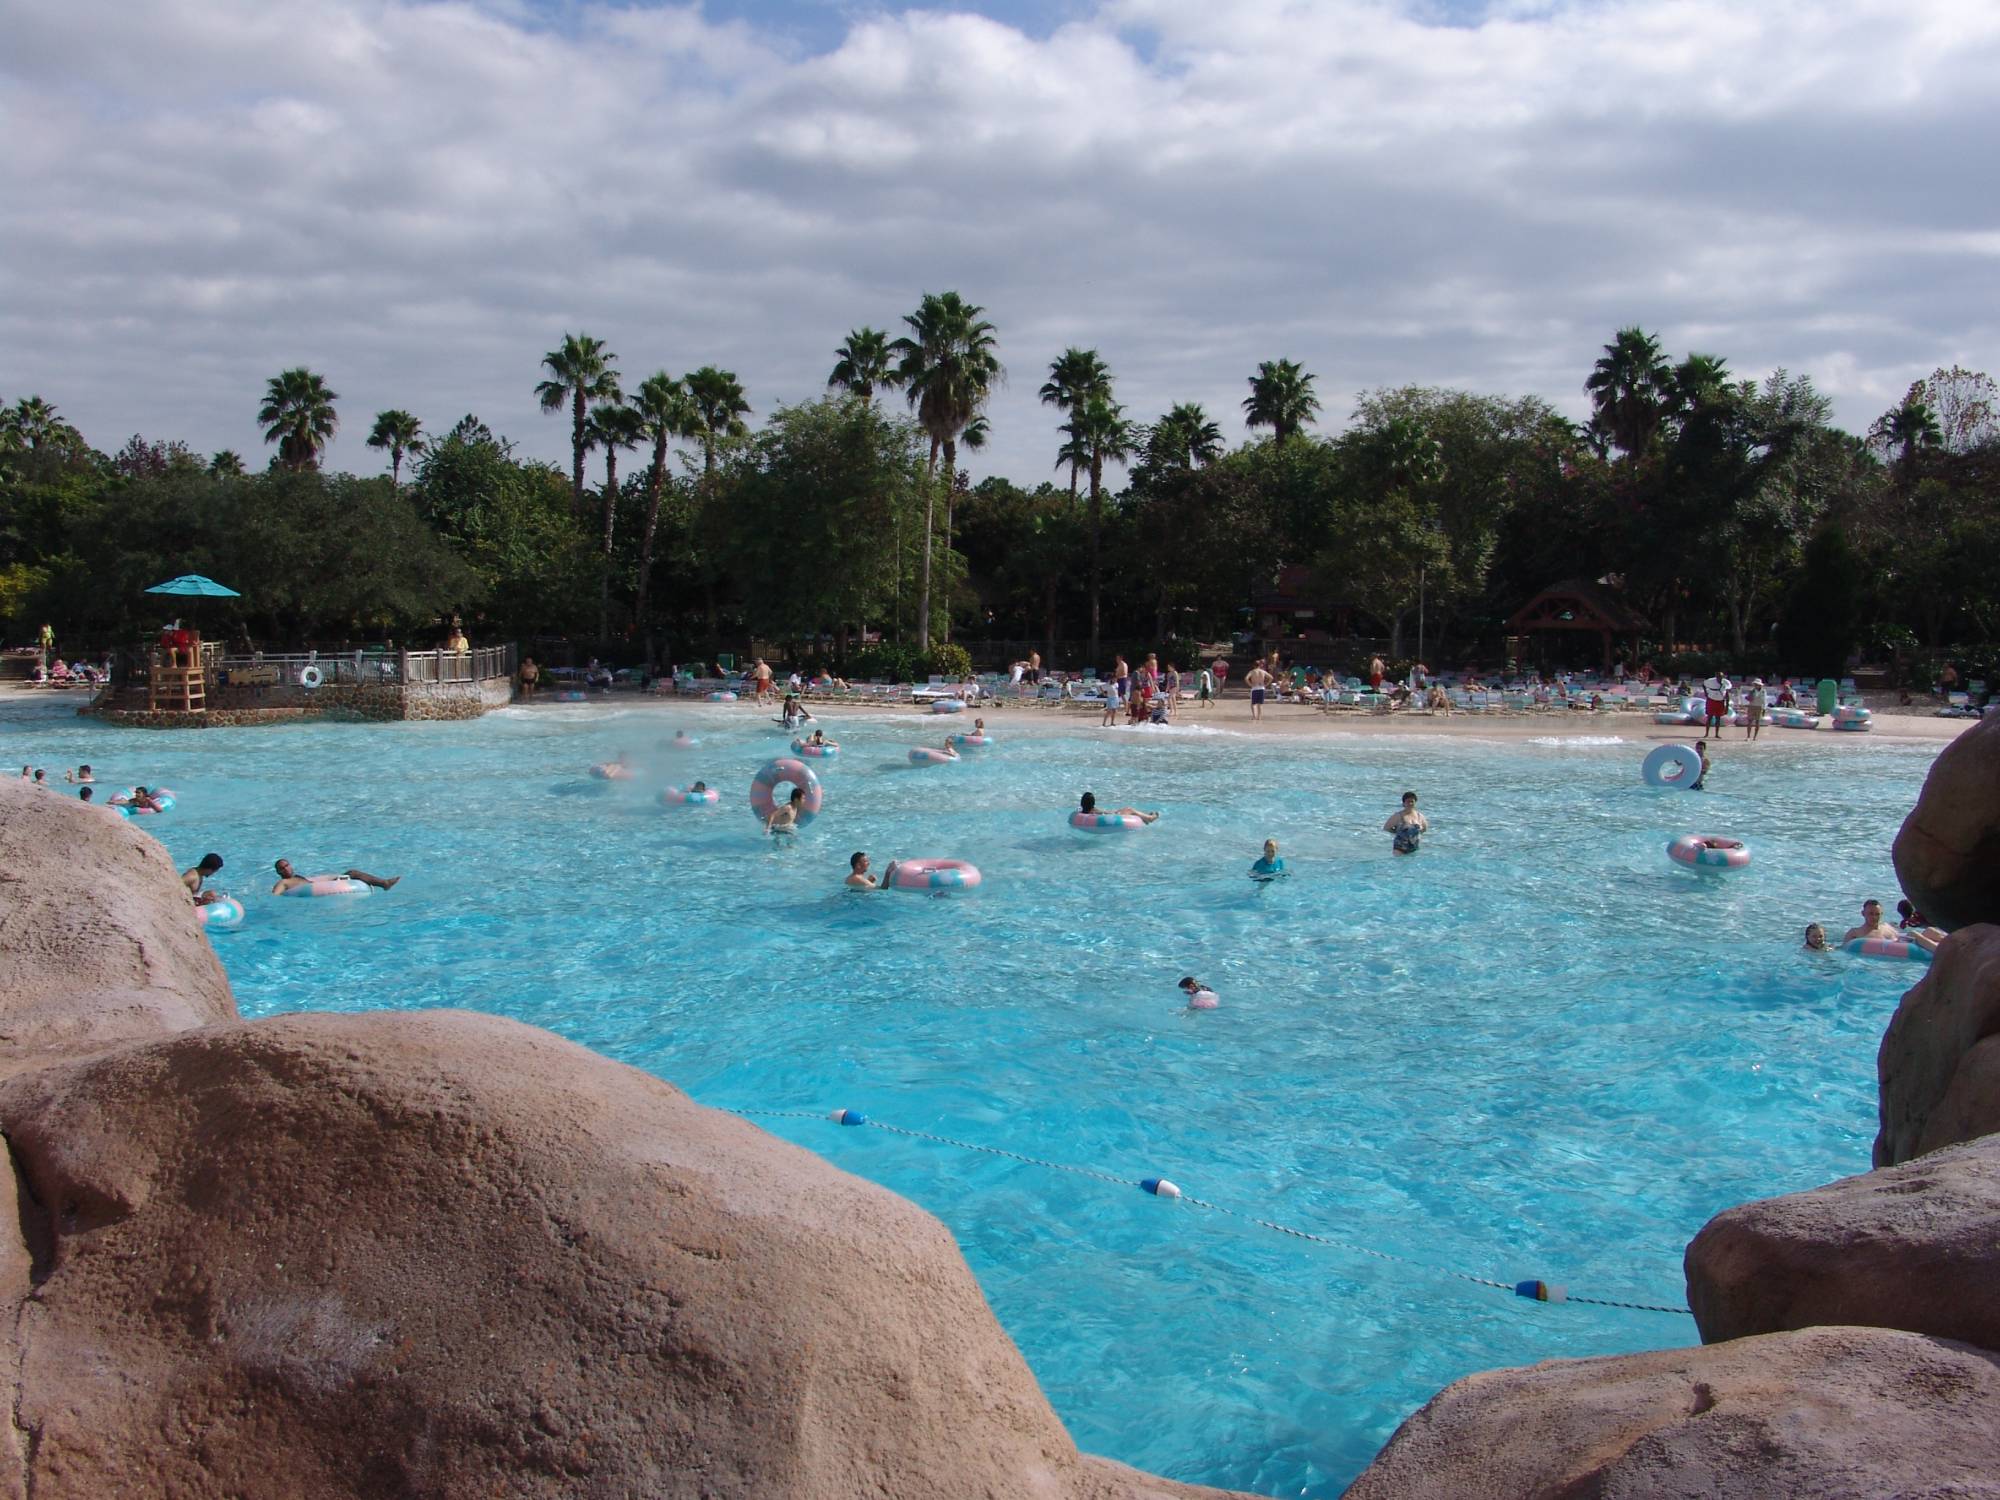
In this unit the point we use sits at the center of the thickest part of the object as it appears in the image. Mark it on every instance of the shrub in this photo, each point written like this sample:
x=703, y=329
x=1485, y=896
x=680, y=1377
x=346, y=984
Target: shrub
x=949, y=659
x=891, y=663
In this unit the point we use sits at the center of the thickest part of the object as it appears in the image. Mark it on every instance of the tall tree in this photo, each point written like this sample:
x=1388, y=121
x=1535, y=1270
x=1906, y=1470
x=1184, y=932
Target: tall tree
x=1184, y=438
x=862, y=363
x=719, y=410
x=947, y=368
x=1630, y=390
x=400, y=433
x=1098, y=434
x=1905, y=432
x=35, y=423
x=298, y=416
x=580, y=372
x=1281, y=398
x=1075, y=376
x=227, y=464
x=666, y=413
x=612, y=428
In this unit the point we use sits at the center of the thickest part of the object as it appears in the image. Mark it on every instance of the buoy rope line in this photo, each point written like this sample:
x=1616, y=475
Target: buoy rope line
x=1160, y=1187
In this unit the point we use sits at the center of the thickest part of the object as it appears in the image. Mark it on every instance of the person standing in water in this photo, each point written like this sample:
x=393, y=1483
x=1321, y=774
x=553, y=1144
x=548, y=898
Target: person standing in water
x=1408, y=825
x=1270, y=865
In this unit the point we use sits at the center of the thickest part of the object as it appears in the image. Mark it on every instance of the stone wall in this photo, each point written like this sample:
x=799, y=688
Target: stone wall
x=340, y=701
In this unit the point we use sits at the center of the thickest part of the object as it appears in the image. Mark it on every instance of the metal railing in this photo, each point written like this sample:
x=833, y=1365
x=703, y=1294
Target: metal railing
x=366, y=668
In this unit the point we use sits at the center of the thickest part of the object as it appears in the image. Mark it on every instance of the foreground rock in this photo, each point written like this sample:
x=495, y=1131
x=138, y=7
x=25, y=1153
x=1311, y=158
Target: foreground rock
x=1948, y=853
x=97, y=943
x=1914, y=1247
x=441, y=1254
x=1939, y=1063
x=1828, y=1414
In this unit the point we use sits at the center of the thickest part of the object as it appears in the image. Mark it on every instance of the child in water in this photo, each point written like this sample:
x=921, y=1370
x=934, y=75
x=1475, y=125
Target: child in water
x=1270, y=866
x=1200, y=996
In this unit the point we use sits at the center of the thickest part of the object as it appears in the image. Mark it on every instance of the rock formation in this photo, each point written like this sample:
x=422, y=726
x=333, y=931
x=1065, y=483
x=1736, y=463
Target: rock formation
x=1948, y=853
x=442, y=1254
x=1939, y=1064
x=1914, y=1247
x=98, y=944
x=1827, y=1414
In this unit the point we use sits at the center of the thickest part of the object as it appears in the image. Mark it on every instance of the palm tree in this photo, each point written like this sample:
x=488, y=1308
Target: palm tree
x=612, y=427
x=665, y=412
x=298, y=416
x=1630, y=387
x=228, y=464
x=1908, y=429
x=947, y=368
x=1281, y=398
x=862, y=363
x=400, y=433
x=34, y=422
x=719, y=409
x=1098, y=434
x=1185, y=438
x=1075, y=376
x=579, y=373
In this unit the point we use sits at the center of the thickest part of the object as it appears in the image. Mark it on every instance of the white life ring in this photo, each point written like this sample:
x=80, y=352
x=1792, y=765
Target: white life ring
x=311, y=677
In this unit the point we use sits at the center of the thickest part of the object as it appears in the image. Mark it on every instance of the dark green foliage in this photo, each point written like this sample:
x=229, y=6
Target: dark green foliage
x=1825, y=613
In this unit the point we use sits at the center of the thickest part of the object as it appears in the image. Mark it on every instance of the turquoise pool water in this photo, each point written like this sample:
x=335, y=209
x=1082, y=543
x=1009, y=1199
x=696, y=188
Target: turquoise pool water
x=1538, y=1049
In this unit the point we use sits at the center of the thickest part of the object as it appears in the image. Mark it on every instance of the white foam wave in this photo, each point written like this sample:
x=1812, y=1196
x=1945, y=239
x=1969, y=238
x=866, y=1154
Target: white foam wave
x=1567, y=740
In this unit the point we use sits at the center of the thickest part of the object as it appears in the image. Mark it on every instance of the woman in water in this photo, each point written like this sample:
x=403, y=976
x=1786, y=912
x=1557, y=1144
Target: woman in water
x=1200, y=996
x=1270, y=866
x=1089, y=805
x=1815, y=937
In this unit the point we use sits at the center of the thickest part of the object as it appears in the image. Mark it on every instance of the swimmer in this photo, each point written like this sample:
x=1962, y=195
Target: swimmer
x=139, y=797
x=784, y=817
x=1270, y=867
x=1200, y=996
x=1408, y=825
x=979, y=726
x=1908, y=916
x=699, y=786
x=290, y=879
x=1815, y=938
x=949, y=748
x=1872, y=924
x=860, y=879
x=819, y=738
x=194, y=879
x=1701, y=749
x=84, y=792
x=1089, y=805
x=80, y=776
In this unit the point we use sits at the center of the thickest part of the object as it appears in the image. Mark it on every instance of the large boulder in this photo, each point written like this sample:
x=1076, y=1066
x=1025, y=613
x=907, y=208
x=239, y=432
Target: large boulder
x=441, y=1254
x=1827, y=1414
x=1939, y=1063
x=1948, y=853
x=1915, y=1246
x=98, y=943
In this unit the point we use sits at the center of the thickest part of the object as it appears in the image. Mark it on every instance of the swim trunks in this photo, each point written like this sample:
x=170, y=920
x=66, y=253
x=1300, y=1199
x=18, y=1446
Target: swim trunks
x=1256, y=695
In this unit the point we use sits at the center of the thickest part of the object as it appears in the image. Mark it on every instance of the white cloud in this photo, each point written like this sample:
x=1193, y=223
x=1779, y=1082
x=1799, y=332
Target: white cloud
x=418, y=199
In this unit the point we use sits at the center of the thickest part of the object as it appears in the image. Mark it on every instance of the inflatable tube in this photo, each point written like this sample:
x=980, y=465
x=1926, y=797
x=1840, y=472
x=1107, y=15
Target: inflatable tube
x=572, y=696
x=610, y=770
x=948, y=706
x=675, y=796
x=1670, y=716
x=311, y=677
x=682, y=740
x=814, y=752
x=972, y=741
x=785, y=771
x=329, y=885
x=1700, y=852
x=722, y=697
x=934, y=875
x=1673, y=766
x=1101, y=822
x=1793, y=718
x=223, y=911
x=1889, y=948
x=921, y=755
x=1852, y=726
x=165, y=798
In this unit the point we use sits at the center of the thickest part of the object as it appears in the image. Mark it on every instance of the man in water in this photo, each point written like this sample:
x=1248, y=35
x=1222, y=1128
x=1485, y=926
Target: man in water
x=1089, y=805
x=1715, y=694
x=290, y=879
x=81, y=776
x=1873, y=924
x=784, y=817
x=859, y=878
x=1408, y=825
x=1701, y=775
x=1271, y=865
x=194, y=879
x=1258, y=681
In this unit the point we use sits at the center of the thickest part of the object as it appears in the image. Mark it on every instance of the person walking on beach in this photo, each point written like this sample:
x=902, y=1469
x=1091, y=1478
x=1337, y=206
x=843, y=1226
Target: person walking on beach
x=1408, y=825
x=1257, y=681
x=1375, y=671
x=1754, y=704
x=1715, y=692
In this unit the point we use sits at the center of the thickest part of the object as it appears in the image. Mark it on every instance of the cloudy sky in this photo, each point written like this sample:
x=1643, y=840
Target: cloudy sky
x=418, y=199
